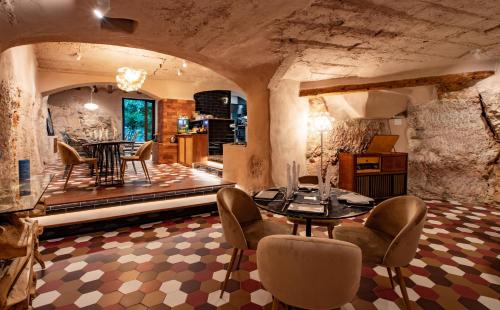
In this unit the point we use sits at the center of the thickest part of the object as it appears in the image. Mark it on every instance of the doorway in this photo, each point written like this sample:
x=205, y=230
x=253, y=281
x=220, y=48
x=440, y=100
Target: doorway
x=138, y=119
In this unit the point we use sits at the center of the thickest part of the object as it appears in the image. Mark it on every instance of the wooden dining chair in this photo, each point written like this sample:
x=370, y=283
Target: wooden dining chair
x=389, y=236
x=329, y=224
x=142, y=154
x=70, y=157
x=309, y=273
x=132, y=137
x=243, y=225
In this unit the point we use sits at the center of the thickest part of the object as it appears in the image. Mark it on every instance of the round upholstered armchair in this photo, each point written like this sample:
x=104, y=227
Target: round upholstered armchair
x=310, y=273
x=70, y=158
x=243, y=225
x=389, y=236
x=142, y=154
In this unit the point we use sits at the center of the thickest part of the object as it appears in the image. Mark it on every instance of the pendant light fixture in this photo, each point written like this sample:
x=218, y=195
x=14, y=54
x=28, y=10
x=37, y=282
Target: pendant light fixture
x=129, y=79
x=91, y=106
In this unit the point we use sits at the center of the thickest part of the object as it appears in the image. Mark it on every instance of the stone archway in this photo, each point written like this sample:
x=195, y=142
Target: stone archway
x=248, y=165
x=231, y=37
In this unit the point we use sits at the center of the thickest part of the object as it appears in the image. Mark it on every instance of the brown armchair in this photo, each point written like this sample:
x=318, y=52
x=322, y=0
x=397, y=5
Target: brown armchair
x=329, y=224
x=70, y=158
x=389, y=236
x=243, y=225
x=142, y=154
x=310, y=273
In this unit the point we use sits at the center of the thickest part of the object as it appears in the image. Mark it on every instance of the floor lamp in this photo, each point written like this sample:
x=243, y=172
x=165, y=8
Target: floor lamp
x=321, y=122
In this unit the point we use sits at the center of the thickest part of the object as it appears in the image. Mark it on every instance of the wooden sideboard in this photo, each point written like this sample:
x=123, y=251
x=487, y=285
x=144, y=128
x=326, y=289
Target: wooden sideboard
x=192, y=148
x=376, y=175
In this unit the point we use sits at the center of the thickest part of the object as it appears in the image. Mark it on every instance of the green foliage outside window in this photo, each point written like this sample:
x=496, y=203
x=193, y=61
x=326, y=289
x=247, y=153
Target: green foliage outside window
x=138, y=119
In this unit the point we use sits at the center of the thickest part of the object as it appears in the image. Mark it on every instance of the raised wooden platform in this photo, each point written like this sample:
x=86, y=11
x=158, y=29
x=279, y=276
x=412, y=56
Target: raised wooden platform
x=168, y=181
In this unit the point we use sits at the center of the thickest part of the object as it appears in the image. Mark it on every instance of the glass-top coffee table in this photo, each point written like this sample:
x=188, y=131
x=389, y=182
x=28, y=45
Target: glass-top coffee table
x=333, y=210
x=18, y=196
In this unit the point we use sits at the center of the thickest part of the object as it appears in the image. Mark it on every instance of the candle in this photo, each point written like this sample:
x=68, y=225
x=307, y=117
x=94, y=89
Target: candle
x=289, y=181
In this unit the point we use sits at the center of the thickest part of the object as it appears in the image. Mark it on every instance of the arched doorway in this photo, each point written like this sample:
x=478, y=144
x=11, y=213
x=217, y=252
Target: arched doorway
x=254, y=157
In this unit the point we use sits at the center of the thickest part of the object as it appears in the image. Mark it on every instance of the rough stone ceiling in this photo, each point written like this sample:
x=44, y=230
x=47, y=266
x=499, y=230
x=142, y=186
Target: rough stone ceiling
x=373, y=38
x=315, y=39
x=101, y=59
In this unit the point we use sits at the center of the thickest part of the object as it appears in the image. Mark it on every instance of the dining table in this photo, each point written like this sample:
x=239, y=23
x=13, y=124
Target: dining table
x=108, y=154
x=333, y=208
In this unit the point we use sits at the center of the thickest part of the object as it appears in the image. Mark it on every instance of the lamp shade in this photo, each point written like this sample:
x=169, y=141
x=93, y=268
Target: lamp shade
x=91, y=106
x=321, y=121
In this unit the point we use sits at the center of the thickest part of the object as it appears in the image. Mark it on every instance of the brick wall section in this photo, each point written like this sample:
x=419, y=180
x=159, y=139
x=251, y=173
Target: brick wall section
x=169, y=110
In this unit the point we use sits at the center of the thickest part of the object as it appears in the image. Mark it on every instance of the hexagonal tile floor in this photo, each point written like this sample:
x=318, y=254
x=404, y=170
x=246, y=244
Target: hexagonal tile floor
x=178, y=264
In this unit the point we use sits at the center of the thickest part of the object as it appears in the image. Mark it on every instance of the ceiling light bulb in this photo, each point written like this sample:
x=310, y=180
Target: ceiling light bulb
x=98, y=13
x=179, y=72
x=78, y=56
x=184, y=64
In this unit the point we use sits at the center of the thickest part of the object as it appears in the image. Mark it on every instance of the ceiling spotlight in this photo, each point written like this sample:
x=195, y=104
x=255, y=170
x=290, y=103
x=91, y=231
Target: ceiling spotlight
x=98, y=13
x=179, y=72
x=184, y=64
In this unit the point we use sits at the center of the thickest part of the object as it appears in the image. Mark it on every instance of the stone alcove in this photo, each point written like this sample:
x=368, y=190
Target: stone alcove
x=450, y=133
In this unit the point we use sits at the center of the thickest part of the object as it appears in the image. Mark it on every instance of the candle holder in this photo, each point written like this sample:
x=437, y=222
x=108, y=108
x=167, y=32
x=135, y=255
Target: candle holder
x=290, y=195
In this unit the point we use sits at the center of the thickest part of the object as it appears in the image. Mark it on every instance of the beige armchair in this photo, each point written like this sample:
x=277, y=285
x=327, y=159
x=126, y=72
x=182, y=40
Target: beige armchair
x=310, y=273
x=243, y=225
x=70, y=158
x=329, y=224
x=389, y=236
x=142, y=154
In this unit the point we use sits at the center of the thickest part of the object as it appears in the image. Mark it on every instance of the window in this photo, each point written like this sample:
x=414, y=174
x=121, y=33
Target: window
x=138, y=119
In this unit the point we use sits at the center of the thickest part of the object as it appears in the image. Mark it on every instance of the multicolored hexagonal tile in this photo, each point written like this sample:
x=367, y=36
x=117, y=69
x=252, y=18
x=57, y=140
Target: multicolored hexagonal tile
x=179, y=263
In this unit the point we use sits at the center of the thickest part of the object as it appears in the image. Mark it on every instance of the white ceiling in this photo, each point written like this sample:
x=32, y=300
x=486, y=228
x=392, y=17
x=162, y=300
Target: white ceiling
x=100, y=59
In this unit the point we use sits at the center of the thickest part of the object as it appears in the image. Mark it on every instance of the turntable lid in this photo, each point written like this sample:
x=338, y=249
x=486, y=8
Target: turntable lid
x=382, y=143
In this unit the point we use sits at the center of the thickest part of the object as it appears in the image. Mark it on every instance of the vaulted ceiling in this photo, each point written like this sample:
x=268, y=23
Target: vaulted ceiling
x=307, y=40
x=101, y=59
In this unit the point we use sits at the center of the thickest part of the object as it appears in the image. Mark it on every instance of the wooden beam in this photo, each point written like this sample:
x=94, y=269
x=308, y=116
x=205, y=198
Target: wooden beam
x=456, y=80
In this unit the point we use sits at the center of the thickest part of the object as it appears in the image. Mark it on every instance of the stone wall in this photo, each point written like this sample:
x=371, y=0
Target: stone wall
x=453, y=144
x=346, y=136
x=453, y=153
x=69, y=115
x=23, y=132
